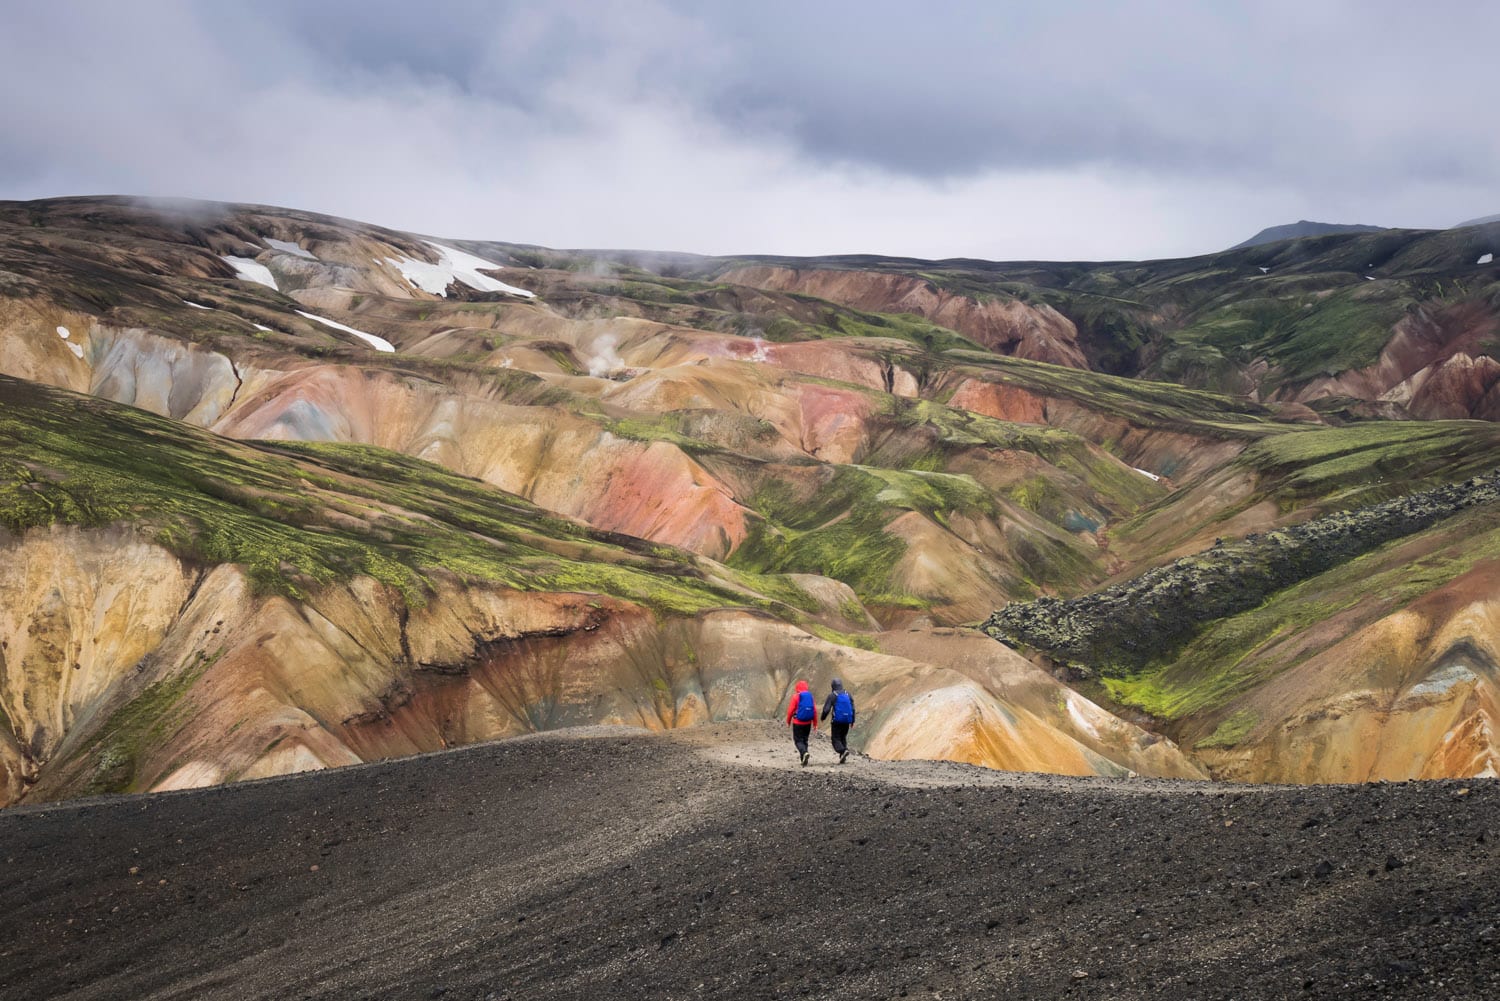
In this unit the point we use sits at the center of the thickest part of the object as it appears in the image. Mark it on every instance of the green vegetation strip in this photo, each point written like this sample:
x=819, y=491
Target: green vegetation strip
x=1235, y=655
x=145, y=721
x=1122, y=630
x=838, y=531
x=1142, y=403
x=298, y=516
x=1370, y=462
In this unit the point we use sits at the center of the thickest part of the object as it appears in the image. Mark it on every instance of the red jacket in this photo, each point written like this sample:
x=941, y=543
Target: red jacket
x=791, y=706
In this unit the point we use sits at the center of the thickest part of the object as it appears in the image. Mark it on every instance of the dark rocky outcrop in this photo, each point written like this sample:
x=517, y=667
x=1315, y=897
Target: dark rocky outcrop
x=1123, y=628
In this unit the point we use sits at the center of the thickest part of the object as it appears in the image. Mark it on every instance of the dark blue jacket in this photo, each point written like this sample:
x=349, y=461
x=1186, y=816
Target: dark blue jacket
x=838, y=686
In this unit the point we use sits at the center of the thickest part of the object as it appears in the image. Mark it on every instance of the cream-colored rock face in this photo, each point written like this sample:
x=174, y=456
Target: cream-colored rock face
x=78, y=612
x=132, y=366
x=972, y=699
x=960, y=721
x=1414, y=695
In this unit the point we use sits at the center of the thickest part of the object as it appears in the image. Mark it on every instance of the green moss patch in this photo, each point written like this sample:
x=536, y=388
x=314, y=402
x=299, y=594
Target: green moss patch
x=140, y=724
x=859, y=641
x=298, y=516
x=1364, y=463
x=1230, y=732
x=1141, y=403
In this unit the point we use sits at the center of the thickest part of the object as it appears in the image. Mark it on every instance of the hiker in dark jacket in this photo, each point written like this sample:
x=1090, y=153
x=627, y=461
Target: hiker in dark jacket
x=841, y=704
x=802, y=717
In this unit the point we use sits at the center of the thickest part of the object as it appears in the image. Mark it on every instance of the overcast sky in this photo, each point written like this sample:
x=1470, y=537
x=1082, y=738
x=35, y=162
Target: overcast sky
x=1010, y=130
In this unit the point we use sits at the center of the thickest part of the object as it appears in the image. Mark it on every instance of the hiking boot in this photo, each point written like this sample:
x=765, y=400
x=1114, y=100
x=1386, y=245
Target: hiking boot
x=843, y=756
x=805, y=756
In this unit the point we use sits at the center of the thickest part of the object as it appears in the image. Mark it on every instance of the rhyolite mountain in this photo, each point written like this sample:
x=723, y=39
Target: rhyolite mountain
x=280, y=491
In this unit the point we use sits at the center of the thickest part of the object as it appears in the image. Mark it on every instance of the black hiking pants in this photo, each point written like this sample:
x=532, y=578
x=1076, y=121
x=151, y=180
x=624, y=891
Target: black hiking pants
x=840, y=736
x=800, y=733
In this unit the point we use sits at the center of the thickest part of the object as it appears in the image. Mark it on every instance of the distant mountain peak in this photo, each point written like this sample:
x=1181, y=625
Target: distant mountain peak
x=1301, y=228
x=1482, y=220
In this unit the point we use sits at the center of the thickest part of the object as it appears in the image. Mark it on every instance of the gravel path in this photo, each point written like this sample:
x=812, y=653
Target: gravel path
x=706, y=863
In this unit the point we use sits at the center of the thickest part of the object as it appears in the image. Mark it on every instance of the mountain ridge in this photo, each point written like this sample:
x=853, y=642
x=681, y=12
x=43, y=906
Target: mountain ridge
x=719, y=472
x=1301, y=228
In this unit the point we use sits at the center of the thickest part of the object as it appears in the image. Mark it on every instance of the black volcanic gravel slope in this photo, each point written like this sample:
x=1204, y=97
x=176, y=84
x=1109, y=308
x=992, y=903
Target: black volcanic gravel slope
x=705, y=865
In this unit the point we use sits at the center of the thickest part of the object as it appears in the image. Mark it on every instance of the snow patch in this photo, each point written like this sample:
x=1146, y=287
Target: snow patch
x=252, y=271
x=453, y=265
x=1485, y=258
x=1149, y=476
x=1369, y=278
x=290, y=248
x=258, y=326
x=1265, y=271
x=378, y=343
x=195, y=305
x=77, y=349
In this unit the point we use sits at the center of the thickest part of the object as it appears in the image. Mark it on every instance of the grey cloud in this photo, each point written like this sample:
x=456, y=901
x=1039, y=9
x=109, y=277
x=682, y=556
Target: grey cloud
x=946, y=129
x=1307, y=91
x=1356, y=93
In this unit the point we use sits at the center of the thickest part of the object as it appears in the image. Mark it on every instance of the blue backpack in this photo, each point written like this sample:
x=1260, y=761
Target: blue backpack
x=805, y=710
x=843, y=708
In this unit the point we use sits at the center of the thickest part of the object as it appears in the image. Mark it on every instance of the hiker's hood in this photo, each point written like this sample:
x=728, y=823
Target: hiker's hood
x=838, y=686
x=802, y=687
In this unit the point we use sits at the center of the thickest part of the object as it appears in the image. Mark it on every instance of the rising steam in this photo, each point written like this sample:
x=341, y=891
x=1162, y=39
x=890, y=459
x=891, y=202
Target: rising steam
x=605, y=360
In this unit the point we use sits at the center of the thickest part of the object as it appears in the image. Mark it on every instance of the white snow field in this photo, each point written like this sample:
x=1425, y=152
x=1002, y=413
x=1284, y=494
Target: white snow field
x=290, y=248
x=1485, y=258
x=252, y=271
x=453, y=265
x=378, y=343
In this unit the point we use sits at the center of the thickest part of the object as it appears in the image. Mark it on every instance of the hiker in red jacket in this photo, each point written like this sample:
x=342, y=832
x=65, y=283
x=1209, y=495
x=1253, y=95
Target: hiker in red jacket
x=802, y=717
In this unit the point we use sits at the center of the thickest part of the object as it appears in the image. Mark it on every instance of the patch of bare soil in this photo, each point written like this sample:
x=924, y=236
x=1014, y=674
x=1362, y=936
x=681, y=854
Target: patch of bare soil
x=707, y=863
